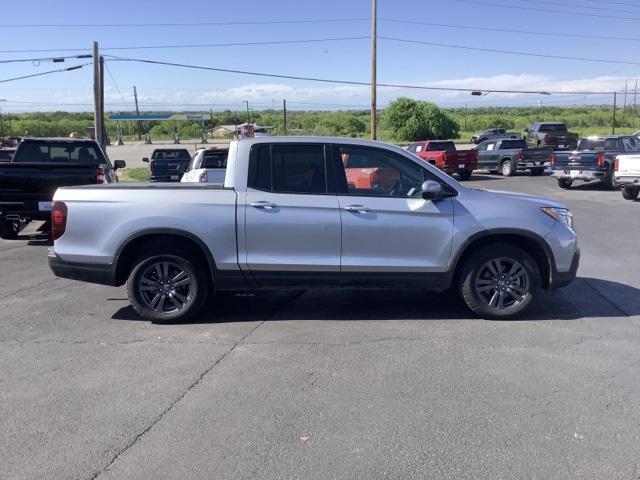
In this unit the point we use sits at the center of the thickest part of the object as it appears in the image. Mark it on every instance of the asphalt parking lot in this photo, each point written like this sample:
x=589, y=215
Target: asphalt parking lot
x=329, y=384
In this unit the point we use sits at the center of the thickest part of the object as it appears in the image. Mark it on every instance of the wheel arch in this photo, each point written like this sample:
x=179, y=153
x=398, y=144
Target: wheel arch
x=132, y=245
x=531, y=242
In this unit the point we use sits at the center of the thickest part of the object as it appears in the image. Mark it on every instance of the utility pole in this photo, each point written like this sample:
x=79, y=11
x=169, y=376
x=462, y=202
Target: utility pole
x=374, y=68
x=98, y=118
x=248, y=117
x=103, y=132
x=465, y=117
x=615, y=99
x=135, y=97
x=635, y=103
x=624, y=108
x=284, y=109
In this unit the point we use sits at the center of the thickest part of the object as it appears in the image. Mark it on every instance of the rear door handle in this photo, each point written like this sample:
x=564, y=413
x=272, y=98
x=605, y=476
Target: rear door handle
x=356, y=208
x=263, y=204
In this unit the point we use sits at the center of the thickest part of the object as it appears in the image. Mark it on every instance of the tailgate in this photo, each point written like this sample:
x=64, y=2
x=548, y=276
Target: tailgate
x=576, y=160
x=561, y=140
x=170, y=167
x=537, y=154
x=39, y=181
x=628, y=165
x=467, y=157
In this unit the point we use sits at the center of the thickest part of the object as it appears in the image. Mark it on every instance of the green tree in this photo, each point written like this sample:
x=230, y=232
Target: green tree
x=411, y=120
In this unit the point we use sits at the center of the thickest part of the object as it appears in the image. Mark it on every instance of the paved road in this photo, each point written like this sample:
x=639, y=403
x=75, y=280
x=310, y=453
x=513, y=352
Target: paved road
x=133, y=152
x=329, y=384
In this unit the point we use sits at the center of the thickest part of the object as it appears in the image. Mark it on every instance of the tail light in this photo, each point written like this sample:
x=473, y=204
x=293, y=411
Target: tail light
x=545, y=140
x=100, y=175
x=520, y=154
x=58, y=219
x=552, y=159
x=203, y=177
x=616, y=164
x=600, y=159
x=152, y=166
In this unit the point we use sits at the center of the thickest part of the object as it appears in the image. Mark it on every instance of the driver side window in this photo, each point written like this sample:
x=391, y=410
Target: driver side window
x=379, y=173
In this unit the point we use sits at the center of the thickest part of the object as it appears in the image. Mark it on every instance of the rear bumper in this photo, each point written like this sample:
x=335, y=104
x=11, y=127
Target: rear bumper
x=84, y=272
x=164, y=178
x=562, y=279
x=524, y=165
x=458, y=167
x=627, y=181
x=26, y=210
x=587, y=175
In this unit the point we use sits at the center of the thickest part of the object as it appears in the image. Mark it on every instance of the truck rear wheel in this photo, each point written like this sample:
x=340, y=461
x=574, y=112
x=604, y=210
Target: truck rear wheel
x=630, y=193
x=167, y=286
x=9, y=230
x=499, y=281
x=565, y=183
x=506, y=168
x=465, y=174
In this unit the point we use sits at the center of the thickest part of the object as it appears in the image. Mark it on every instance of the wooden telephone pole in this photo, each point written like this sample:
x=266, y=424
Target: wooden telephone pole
x=98, y=96
x=135, y=98
x=374, y=68
x=284, y=110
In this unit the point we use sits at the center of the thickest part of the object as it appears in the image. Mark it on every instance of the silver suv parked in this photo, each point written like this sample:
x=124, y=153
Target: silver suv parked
x=306, y=212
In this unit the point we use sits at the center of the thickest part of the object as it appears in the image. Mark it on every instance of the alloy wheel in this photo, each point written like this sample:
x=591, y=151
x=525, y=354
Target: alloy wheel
x=165, y=287
x=502, y=283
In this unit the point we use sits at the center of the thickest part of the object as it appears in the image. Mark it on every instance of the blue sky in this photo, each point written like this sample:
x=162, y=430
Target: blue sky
x=159, y=86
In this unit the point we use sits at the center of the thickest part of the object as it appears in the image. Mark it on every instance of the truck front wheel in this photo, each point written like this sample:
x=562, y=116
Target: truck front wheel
x=167, y=286
x=630, y=193
x=499, y=281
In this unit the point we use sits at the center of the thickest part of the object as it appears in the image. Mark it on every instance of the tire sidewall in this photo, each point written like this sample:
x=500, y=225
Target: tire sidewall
x=186, y=262
x=478, y=260
x=508, y=172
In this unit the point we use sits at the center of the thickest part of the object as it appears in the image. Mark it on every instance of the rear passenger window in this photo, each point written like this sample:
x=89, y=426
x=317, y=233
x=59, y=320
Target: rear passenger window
x=298, y=169
x=288, y=169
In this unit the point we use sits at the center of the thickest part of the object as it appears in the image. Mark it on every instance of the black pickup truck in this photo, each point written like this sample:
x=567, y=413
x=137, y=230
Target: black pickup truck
x=41, y=165
x=593, y=160
x=551, y=134
x=168, y=164
x=509, y=156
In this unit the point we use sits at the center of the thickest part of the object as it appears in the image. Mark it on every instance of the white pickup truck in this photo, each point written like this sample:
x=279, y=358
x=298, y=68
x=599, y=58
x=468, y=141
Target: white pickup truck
x=626, y=171
x=313, y=211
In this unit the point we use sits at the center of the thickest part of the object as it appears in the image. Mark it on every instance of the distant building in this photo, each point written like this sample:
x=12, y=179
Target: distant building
x=226, y=131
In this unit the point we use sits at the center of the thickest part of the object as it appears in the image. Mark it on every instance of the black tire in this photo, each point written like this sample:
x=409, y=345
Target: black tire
x=506, y=168
x=503, y=274
x=565, y=183
x=465, y=175
x=610, y=183
x=159, y=293
x=536, y=172
x=9, y=230
x=630, y=193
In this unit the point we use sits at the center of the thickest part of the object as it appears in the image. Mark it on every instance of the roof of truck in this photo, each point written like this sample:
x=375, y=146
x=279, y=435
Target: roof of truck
x=58, y=140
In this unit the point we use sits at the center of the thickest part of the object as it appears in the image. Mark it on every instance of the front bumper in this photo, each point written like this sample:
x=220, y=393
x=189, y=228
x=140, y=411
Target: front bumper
x=562, y=279
x=587, y=175
x=85, y=272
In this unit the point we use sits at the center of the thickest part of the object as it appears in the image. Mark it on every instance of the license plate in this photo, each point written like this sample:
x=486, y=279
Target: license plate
x=574, y=173
x=461, y=165
x=561, y=146
x=175, y=177
x=44, y=206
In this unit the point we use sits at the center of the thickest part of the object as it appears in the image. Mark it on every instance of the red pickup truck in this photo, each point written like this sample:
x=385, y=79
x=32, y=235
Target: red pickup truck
x=443, y=154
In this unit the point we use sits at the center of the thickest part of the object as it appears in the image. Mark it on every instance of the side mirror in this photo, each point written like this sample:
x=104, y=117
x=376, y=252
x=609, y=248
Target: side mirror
x=119, y=164
x=432, y=190
x=145, y=159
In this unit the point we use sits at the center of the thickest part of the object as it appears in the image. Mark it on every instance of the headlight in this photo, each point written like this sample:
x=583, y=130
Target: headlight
x=562, y=215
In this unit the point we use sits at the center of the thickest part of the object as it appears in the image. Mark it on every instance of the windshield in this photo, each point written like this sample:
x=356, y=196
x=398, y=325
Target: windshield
x=553, y=127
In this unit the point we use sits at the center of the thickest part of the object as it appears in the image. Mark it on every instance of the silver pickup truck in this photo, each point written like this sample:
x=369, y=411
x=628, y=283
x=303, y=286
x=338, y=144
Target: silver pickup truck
x=313, y=212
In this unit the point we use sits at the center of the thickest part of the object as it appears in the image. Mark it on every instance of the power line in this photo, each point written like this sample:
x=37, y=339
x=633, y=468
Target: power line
x=510, y=52
x=548, y=10
x=183, y=24
x=342, y=82
x=193, y=45
x=509, y=30
x=41, y=59
x=75, y=67
x=560, y=4
x=115, y=84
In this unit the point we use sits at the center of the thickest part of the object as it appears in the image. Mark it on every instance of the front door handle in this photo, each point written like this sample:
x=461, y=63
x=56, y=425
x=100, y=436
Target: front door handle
x=263, y=204
x=356, y=208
